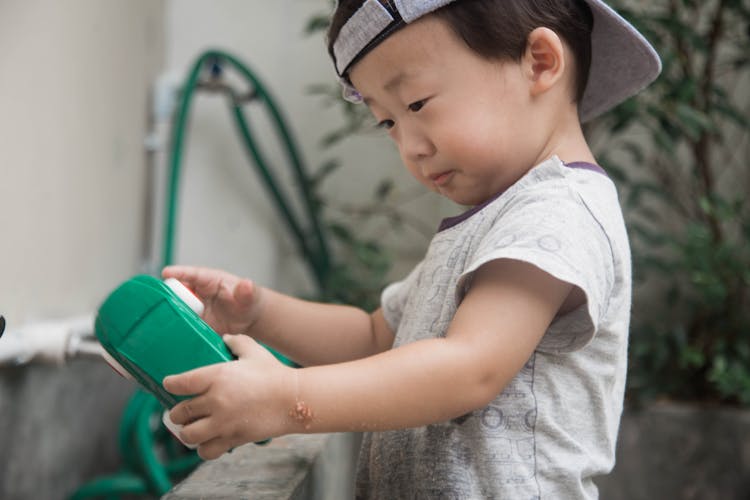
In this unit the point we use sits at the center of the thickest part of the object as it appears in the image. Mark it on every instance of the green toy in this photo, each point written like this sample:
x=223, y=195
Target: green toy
x=150, y=329
x=151, y=332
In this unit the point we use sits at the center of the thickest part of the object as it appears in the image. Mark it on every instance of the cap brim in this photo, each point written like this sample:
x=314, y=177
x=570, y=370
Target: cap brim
x=623, y=62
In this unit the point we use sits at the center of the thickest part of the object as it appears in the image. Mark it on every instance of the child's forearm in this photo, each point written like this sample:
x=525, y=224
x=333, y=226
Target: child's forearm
x=421, y=383
x=312, y=333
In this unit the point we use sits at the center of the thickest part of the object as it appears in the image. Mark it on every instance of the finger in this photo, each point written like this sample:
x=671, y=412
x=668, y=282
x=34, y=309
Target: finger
x=189, y=411
x=178, y=272
x=241, y=346
x=191, y=382
x=215, y=448
x=199, y=432
x=244, y=292
x=202, y=280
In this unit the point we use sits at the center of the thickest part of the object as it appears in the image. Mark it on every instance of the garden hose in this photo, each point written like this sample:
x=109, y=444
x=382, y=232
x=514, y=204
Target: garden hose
x=316, y=255
x=152, y=458
x=140, y=439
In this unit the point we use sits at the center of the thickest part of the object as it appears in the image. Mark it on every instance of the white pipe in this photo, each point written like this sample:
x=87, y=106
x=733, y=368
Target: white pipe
x=165, y=92
x=45, y=341
x=84, y=347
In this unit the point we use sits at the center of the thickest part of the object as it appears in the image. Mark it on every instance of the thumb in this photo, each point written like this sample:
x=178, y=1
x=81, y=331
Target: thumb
x=190, y=382
x=244, y=293
x=241, y=346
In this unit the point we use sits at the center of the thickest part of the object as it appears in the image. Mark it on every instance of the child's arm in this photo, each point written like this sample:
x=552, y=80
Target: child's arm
x=494, y=332
x=309, y=333
x=312, y=333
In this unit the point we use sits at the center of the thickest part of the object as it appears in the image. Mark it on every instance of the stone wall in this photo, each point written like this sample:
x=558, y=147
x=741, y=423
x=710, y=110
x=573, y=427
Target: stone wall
x=681, y=452
x=58, y=427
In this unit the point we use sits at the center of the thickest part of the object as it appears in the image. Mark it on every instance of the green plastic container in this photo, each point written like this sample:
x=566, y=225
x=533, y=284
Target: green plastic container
x=151, y=332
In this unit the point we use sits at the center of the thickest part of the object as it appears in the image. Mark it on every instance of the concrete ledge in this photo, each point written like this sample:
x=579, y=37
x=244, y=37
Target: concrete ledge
x=664, y=451
x=291, y=467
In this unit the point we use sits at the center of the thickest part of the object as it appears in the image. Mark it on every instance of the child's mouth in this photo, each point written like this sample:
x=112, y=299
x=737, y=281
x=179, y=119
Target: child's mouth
x=442, y=178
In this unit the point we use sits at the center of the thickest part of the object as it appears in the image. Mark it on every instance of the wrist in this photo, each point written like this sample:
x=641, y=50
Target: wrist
x=299, y=415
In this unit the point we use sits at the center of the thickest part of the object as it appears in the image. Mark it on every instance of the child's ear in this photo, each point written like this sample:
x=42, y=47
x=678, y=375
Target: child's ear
x=544, y=60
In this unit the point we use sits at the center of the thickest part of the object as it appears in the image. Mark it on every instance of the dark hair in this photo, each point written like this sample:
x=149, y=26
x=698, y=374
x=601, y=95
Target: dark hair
x=499, y=29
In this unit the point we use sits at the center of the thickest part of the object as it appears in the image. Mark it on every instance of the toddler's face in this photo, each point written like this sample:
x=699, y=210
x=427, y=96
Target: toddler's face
x=463, y=124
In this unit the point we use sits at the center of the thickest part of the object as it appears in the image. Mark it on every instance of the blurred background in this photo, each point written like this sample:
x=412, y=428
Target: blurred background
x=90, y=91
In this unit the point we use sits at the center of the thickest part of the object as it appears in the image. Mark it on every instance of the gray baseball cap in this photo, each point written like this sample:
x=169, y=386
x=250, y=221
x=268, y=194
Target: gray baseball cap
x=623, y=62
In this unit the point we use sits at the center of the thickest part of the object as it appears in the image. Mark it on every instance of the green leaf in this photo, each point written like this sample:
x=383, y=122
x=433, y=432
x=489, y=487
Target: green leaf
x=640, y=189
x=341, y=232
x=694, y=121
x=325, y=170
x=636, y=151
x=733, y=114
x=384, y=188
x=317, y=23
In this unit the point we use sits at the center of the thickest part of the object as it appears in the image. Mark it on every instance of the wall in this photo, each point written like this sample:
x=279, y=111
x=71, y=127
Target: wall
x=74, y=85
x=684, y=451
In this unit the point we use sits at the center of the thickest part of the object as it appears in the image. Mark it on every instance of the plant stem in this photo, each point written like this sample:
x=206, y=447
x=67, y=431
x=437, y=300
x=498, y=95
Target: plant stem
x=702, y=148
x=683, y=53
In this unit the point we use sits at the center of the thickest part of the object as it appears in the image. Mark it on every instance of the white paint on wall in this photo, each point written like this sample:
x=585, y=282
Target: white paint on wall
x=73, y=114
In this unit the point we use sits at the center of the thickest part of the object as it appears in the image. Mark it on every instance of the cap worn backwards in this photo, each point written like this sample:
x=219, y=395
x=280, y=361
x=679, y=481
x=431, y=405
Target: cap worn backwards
x=623, y=62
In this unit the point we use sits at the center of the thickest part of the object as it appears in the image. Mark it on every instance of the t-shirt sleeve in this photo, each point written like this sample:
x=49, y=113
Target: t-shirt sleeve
x=394, y=297
x=558, y=234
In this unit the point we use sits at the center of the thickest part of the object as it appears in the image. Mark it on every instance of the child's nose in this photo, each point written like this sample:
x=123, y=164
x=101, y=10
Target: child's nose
x=415, y=144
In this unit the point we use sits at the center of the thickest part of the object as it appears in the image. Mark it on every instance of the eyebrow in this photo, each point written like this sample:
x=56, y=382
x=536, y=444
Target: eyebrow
x=395, y=82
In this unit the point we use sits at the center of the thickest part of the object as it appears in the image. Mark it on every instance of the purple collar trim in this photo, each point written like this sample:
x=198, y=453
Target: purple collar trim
x=449, y=222
x=584, y=165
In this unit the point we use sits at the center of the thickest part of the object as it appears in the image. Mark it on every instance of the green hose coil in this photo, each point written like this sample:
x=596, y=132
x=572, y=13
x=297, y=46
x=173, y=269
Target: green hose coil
x=316, y=254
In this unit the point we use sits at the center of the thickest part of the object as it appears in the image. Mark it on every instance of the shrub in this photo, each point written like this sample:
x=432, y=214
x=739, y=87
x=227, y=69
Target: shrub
x=680, y=153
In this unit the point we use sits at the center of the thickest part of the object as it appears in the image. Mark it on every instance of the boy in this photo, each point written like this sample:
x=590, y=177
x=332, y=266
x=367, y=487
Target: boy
x=496, y=369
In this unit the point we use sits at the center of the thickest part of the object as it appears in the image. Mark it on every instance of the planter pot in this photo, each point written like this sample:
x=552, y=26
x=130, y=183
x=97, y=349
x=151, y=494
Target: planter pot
x=680, y=452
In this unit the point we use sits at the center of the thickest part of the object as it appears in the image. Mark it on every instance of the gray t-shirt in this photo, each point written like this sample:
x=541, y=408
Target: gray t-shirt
x=553, y=429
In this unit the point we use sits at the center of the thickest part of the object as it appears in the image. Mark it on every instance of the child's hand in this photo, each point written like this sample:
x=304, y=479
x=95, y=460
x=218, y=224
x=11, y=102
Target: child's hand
x=232, y=303
x=237, y=402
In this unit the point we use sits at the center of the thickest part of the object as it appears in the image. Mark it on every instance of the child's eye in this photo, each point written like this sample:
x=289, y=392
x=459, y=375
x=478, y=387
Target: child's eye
x=416, y=106
x=386, y=124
